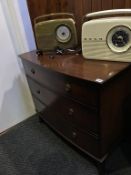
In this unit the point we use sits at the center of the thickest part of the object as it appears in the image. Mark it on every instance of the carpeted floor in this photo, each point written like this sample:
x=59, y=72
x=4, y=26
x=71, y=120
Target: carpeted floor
x=31, y=148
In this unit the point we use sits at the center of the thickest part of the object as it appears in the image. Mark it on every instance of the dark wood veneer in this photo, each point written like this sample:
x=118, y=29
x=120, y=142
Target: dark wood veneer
x=85, y=101
x=77, y=66
x=88, y=113
x=38, y=105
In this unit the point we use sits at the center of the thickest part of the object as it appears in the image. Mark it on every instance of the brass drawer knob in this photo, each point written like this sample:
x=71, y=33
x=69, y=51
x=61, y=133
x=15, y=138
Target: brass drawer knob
x=71, y=111
x=67, y=87
x=74, y=134
x=33, y=71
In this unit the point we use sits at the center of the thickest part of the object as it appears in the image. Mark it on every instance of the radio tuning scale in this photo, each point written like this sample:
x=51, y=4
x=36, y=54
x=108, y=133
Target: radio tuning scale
x=63, y=33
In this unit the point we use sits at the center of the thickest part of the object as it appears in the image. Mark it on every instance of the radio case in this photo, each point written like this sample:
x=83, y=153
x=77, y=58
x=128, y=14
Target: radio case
x=55, y=31
x=106, y=35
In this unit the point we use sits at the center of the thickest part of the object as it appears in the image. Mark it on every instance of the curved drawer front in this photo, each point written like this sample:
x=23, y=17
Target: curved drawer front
x=88, y=143
x=77, y=115
x=43, y=94
x=85, y=119
x=63, y=84
x=38, y=105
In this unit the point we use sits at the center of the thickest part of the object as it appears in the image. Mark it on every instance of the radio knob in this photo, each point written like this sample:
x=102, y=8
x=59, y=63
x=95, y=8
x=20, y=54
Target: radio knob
x=67, y=87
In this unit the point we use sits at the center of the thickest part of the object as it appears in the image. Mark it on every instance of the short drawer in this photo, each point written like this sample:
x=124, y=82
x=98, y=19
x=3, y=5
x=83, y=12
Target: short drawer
x=77, y=115
x=72, y=87
x=43, y=94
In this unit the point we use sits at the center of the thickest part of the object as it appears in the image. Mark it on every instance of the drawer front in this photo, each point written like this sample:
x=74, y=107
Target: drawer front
x=86, y=119
x=84, y=141
x=89, y=144
x=43, y=94
x=38, y=105
x=66, y=85
x=77, y=115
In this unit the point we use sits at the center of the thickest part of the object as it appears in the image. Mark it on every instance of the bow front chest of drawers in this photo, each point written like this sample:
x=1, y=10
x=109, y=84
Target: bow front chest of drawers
x=82, y=100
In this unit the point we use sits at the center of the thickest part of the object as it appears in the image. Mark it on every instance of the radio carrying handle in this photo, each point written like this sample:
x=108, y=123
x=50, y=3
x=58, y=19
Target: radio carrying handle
x=107, y=13
x=53, y=15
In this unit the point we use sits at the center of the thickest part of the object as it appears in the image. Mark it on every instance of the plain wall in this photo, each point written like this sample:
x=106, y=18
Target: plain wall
x=16, y=102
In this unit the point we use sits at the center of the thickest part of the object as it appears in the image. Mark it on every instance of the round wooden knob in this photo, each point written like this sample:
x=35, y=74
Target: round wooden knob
x=33, y=71
x=71, y=111
x=74, y=134
x=38, y=91
x=67, y=87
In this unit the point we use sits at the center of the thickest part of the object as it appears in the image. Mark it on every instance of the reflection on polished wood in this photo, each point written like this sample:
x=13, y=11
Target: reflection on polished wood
x=76, y=66
x=82, y=99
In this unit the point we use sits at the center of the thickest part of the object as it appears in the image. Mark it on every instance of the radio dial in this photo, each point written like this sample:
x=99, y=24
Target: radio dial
x=63, y=34
x=120, y=38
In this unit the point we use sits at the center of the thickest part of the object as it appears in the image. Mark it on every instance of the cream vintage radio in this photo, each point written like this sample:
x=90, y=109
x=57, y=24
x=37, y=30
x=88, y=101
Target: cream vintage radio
x=106, y=35
x=57, y=30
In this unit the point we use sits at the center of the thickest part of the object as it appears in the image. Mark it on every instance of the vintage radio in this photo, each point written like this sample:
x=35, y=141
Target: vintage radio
x=56, y=30
x=106, y=35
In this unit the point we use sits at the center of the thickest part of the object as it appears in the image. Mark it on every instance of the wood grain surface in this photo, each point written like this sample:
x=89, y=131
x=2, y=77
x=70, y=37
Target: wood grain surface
x=78, y=7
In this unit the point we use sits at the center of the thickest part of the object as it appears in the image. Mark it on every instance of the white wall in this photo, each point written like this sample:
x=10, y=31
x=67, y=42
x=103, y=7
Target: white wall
x=23, y=10
x=15, y=99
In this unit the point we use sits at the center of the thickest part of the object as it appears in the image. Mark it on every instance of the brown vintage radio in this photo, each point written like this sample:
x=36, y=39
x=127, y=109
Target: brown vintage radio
x=56, y=30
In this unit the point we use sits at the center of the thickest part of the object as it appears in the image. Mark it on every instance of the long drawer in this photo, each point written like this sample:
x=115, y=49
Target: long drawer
x=63, y=84
x=38, y=105
x=46, y=96
x=84, y=118
x=87, y=142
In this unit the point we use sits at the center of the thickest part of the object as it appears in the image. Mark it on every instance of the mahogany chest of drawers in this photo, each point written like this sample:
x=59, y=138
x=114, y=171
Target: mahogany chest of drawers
x=82, y=100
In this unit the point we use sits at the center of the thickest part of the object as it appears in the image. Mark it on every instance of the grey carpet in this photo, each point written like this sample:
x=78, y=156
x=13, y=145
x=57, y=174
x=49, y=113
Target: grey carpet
x=31, y=148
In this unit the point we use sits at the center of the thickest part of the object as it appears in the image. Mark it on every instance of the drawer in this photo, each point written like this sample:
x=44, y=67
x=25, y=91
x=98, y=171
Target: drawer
x=43, y=94
x=38, y=105
x=61, y=125
x=88, y=143
x=69, y=86
x=86, y=119
x=77, y=115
